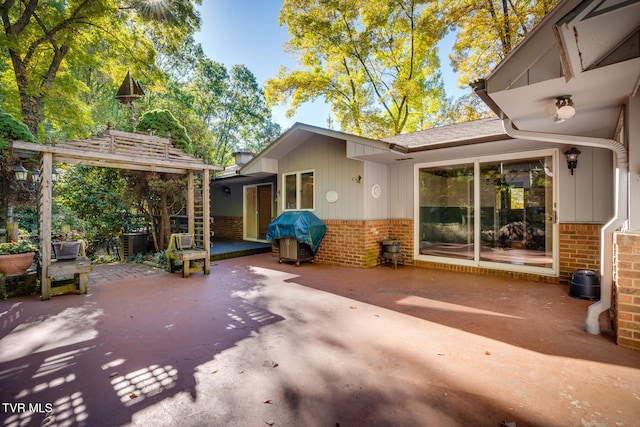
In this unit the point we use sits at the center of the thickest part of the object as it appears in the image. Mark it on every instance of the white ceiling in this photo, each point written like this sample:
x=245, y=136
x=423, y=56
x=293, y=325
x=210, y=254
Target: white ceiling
x=587, y=49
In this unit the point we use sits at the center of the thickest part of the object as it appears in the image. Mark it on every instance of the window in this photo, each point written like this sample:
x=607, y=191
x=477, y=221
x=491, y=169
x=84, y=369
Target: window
x=299, y=191
x=493, y=210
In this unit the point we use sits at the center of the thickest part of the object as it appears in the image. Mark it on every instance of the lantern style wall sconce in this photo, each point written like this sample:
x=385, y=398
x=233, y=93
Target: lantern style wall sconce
x=227, y=191
x=572, y=158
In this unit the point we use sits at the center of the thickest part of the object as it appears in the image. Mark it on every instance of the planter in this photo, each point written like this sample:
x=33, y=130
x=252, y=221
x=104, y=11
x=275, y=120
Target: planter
x=14, y=264
x=66, y=251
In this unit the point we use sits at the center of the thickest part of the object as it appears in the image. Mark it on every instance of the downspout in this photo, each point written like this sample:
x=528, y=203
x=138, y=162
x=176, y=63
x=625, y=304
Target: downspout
x=592, y=324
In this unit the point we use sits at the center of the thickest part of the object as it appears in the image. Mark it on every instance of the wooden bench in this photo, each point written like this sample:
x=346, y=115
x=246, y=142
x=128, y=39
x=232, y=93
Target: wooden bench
x=79, y=268
x=181, y=249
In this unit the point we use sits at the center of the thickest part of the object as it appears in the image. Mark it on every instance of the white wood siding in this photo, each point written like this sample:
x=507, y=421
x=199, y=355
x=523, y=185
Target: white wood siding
x=587, y=196
x=375, y=174
x=332, y=172
x=632, y=133
x=401, y=190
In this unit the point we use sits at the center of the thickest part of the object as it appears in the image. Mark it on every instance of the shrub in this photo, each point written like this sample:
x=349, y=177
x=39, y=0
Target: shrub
x=12, y=129
x=163, y=123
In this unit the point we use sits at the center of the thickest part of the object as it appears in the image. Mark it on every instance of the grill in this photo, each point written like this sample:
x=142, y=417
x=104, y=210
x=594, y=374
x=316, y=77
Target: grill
x=297, y=234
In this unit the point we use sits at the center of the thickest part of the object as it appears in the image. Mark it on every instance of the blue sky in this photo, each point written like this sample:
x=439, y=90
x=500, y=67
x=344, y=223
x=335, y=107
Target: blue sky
x=247, y=32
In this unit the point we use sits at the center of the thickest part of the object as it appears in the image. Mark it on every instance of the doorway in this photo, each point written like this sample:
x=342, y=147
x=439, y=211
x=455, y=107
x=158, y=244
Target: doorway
x=258, y=211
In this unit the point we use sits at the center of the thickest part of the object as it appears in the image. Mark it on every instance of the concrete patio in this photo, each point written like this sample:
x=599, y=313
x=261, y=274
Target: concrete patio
x=261, y=343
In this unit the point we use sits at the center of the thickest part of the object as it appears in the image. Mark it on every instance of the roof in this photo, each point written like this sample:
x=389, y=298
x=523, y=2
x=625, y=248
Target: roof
x=297, y=135
x=118, y=149
x=482, y=130
x=587, y=50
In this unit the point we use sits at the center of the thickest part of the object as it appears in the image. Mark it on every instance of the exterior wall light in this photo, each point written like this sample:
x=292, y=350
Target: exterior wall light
x=572, y=158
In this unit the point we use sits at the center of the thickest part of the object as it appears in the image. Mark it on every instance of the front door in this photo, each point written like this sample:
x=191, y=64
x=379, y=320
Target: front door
x=257, y=211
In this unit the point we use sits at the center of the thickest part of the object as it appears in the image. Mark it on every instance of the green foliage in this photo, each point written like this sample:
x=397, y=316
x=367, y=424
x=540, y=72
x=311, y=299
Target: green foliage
x=97, y=196
x=487, y=31
x=19, y=247
x=374, y=61
x=47, y=42
x=12, y=129
x=163, y=123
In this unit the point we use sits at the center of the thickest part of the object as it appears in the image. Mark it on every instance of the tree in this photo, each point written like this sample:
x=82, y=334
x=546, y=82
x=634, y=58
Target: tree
x=374, y=61
x=242, y=120
x=39, y=36
x=487, y=31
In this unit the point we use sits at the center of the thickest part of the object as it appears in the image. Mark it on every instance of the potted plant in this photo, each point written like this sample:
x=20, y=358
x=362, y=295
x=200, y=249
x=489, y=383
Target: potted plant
x=67, y=245
x=16, y=257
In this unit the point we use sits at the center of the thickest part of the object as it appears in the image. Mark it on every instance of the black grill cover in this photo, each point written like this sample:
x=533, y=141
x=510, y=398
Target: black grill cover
x=303, y=226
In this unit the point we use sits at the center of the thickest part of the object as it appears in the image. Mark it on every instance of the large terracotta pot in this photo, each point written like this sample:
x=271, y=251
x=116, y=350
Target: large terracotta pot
x=14, y=264
x=66, y=251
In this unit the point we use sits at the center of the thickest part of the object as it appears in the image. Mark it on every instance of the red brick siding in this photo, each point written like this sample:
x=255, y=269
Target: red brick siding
x=627, y=289
x=228, y=227
x=579, y=249
x=486, y=271
x=402, y=229
x=354, y=243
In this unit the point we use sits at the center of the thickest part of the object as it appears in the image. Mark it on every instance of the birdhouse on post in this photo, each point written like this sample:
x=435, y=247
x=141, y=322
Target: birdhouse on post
x=130, y=91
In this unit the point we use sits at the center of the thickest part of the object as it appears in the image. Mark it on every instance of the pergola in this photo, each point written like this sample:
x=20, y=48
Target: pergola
x=121, y=150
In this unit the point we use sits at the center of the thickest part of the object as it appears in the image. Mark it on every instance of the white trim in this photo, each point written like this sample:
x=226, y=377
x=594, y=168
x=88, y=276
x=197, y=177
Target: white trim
x=477, y=262
x=298, y=175
x=244, y=210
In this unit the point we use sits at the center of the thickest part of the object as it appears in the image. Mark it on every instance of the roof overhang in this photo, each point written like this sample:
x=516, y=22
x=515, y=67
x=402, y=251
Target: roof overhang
x=587, y=49
x=266, y=161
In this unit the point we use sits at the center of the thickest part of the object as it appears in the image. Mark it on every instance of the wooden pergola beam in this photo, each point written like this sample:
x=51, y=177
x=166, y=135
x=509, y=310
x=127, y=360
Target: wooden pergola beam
x=105, y=159
x=119, y=150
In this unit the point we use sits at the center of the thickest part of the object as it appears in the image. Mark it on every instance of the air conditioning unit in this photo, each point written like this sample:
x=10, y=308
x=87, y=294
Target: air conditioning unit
x=133, y=243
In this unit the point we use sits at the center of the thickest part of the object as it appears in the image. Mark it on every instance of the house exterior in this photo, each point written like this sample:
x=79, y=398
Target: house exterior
x=587, y=52
x=494, y=196
x=242, y=205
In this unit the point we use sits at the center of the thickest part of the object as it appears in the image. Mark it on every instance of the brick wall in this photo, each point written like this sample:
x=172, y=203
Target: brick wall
x=579, y=249
x=228, y=227
x=354, y=243
x=402, y=229
x=486, y=271
x=627, y=289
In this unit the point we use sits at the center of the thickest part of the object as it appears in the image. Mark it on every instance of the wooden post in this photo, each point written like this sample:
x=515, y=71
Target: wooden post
x=206, y=211
x=191, y=203
x=46, y=186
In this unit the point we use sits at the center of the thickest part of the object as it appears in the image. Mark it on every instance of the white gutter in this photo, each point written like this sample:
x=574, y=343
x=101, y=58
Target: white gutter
x=592, y=323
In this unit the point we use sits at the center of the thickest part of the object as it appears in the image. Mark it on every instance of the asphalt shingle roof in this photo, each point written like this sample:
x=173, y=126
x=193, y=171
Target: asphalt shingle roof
x=467, y=131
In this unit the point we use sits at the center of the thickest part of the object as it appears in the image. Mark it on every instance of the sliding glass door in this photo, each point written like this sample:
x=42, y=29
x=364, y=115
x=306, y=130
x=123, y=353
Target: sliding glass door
x=446, y=211
x=488, y=211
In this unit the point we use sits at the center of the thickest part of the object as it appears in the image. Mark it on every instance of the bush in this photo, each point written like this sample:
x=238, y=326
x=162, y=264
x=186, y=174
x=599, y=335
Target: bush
x=12, y=129
x=163, y=123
